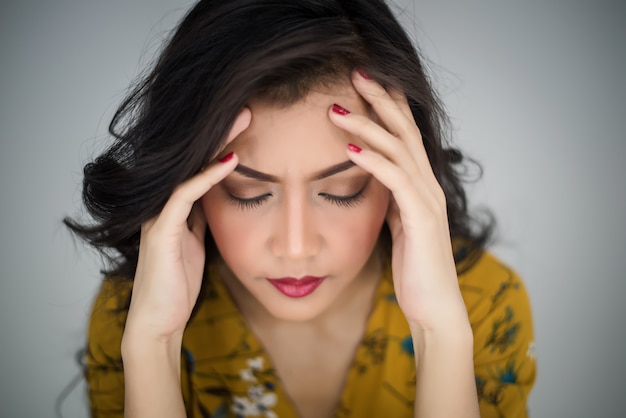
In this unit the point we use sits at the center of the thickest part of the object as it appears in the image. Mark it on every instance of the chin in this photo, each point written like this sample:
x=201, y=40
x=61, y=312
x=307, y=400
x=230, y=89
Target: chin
x=295, y=310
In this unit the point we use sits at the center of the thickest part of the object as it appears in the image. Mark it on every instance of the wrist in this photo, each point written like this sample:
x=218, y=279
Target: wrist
x=144, y=347
x=143, y=327
x=152, y=376
x=453, y=335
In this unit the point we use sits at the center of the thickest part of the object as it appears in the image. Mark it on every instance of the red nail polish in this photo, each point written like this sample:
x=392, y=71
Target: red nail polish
x=227, y=157
x=340, y=110
x=363, y=74
x=354, y=148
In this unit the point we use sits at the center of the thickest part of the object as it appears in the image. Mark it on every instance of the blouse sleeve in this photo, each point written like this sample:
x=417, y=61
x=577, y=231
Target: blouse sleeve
x=104, y=372
x=500, y=316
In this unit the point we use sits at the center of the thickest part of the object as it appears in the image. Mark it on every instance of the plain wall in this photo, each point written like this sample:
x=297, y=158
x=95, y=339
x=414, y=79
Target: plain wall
x=536, y=93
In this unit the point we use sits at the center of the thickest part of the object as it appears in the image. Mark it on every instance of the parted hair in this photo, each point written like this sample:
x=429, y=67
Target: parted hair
x=224, y=54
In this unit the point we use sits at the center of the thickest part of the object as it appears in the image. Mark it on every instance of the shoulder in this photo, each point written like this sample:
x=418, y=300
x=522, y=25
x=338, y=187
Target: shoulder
x=499, y=309
x=103, y=369
x=107, y=320
x=500, y=315
x=490, y=284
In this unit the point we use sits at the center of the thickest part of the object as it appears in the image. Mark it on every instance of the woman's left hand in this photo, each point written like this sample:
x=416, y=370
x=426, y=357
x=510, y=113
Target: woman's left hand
x=424, y=271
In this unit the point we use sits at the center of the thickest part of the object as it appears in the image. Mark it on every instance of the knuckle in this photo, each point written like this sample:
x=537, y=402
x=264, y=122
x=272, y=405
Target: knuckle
x=398, y=149
x=374, y=90
x=403, y=180
x=408, y=129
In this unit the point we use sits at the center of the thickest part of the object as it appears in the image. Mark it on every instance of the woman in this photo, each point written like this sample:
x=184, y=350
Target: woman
x=289, y=235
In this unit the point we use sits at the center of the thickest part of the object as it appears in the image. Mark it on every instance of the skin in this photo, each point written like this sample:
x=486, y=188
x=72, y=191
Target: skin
x=296, y=230
x=390, y=149
x=297, y=227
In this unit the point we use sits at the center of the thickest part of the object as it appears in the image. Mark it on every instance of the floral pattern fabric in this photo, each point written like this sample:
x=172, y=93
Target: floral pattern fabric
x=226, y=372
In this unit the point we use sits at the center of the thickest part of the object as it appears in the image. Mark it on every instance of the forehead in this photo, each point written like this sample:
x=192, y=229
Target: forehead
x=299, y=137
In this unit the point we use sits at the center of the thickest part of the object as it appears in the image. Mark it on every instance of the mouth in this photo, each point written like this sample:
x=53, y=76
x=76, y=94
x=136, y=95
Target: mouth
x=297, y=288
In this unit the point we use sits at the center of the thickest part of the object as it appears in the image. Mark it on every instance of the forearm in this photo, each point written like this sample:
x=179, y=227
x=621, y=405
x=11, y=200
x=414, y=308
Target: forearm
x=445, y=384
x=152, y=378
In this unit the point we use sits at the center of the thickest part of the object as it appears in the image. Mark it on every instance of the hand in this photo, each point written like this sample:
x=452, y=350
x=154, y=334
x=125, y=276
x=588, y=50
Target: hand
x=424, y=271
x=172, y=254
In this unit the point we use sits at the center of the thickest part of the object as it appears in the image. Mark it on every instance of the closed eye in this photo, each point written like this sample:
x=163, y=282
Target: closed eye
x=344, y=201
x=249, y=203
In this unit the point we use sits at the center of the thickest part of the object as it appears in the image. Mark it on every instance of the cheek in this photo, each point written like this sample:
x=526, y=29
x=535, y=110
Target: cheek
x=360, y=227
x=229, y=229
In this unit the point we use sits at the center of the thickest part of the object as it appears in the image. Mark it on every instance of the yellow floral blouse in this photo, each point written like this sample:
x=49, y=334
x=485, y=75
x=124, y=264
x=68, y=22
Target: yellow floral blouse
x=226, y=373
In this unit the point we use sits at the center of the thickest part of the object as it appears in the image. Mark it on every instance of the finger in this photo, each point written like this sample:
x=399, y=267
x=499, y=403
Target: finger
x=416, y=203
x=417, y=148
x=178, y=207
x=197, y=221
x=395, y=94
x=395, y=113
x=389, y=111
x=402, y=103
x=377, y=138
x=241, y=123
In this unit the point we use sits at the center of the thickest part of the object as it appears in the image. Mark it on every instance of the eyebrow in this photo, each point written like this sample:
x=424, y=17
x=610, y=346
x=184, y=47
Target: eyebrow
x=268, y=178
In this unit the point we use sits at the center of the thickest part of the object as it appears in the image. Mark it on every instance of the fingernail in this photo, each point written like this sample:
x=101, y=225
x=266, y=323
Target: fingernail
x=363, y=74
x=354, y=148
x=227, y=157
x=340, y=110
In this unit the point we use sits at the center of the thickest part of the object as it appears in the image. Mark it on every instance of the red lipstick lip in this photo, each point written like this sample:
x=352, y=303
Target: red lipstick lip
x=297, y=288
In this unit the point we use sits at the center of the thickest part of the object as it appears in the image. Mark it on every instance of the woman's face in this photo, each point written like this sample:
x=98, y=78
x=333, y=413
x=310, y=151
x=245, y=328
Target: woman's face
x=296, y=208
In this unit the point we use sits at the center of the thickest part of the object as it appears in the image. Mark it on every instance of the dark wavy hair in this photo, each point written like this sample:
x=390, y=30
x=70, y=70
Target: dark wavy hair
x=222, y=55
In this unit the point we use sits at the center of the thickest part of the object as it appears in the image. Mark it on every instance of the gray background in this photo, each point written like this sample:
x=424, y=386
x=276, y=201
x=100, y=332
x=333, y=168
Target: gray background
x=536, y=93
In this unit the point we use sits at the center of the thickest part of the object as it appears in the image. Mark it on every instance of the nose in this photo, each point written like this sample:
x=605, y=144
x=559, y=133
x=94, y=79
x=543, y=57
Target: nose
x=296, y=235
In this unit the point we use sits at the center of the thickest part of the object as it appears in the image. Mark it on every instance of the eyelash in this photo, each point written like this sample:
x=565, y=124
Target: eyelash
x=342, y=201
x=250, y=203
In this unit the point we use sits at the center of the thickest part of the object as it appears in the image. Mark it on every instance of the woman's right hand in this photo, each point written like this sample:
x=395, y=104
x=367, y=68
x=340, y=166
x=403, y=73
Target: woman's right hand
x=172, y=255
x=167, y=284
